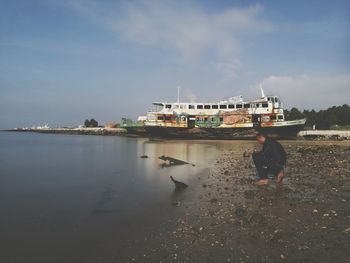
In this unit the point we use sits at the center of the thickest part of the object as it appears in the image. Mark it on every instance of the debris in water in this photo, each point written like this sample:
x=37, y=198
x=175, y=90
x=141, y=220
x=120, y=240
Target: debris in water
x=178, y=185
x=172, y=161
x=177, y=204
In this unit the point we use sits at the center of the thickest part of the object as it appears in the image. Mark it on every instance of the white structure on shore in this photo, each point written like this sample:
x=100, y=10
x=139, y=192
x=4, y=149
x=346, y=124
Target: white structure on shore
x=326, y=133
x=39, y=127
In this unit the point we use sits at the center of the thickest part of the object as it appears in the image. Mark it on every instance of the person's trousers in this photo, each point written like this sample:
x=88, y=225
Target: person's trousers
x=263, y=167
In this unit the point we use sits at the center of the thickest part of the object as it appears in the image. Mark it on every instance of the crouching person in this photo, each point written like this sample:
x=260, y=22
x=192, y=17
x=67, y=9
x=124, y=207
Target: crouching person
x=270, y=161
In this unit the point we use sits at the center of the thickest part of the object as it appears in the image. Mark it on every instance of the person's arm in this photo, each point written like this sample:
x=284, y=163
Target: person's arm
x=267, y=149
x=277, y=155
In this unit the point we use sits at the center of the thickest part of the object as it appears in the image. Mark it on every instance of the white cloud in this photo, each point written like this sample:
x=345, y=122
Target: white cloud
x=181, y=26
x=229, y=69
x=306, y=92
x=187, y=28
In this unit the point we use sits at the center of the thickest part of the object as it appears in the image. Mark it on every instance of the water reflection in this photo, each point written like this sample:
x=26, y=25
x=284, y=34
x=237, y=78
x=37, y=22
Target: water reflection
x=198, y=153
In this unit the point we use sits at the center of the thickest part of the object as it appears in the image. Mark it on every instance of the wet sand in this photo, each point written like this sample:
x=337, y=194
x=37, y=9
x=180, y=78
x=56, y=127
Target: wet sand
x=231, y=220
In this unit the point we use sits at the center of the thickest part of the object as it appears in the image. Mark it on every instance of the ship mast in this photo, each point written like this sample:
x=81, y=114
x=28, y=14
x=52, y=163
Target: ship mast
x=262, y=91
x=178, y=94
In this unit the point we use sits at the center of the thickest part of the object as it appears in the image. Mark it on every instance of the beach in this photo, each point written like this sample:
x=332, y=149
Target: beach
x=232, y=220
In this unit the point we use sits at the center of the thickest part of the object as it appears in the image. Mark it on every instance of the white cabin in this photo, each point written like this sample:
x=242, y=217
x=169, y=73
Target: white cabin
x=265, y=105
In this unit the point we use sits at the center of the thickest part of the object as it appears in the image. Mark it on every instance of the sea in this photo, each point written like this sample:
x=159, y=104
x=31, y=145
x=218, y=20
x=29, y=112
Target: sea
x=85, y=198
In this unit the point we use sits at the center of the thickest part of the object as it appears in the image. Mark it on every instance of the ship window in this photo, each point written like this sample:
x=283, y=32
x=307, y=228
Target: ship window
x=239, y=106
x=273, y=117
x=206, y=106
x=265, y=105
x=223, y=106
x=160, y=118
x=167, y=118
x=215, y=106
x=168, y=106
x=231, y=106
x=191, y=106
x=221, y=119
x=280, y=117
x=199, y=106
x=276, y=100
x=206, y=119
x=246, y=105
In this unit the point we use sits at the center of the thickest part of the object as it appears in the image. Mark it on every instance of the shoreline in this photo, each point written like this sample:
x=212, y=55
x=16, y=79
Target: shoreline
x=308, y=135
x=232, y=220
x=78, y=131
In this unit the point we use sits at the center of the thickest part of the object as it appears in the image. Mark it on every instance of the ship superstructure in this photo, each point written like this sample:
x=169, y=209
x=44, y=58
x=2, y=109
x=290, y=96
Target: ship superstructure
x=225, y=119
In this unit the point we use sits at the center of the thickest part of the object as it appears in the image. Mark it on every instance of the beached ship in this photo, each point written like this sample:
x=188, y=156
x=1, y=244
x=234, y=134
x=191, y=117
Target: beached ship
x=228, y=119
x=134, y=127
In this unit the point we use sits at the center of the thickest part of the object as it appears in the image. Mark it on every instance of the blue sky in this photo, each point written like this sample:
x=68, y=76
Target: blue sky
x=64, y=61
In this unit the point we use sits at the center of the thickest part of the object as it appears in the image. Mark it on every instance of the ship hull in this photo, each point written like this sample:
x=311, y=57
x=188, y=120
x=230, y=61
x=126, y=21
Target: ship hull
x=281, y=132
x=139, y=130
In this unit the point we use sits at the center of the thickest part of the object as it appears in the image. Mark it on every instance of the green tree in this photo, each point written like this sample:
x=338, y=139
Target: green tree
x=323, y=119
x=310, y=118
x=91, y=123
x=295, y=114
x=87, y=123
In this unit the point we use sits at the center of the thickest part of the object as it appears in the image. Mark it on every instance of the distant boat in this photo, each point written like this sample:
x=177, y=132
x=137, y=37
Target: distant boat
x=228, y=119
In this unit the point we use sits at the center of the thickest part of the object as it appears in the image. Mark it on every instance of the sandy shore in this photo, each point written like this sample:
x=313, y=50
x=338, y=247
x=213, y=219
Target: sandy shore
x=232, y=220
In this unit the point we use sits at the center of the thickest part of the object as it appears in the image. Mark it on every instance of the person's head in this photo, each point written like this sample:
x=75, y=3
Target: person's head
x=261, y=137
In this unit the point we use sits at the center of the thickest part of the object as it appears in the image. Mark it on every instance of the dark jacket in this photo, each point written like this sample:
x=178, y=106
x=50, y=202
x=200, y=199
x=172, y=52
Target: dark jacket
x=274, y=153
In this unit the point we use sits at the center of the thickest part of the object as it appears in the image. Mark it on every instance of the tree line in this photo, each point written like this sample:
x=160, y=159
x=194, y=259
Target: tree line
x=331, y=118
x=92, y=123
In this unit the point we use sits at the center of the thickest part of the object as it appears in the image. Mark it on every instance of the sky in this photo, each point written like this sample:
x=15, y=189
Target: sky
x=67, y=60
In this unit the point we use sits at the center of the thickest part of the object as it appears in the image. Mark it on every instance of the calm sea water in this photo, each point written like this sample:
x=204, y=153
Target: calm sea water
x=71, y=198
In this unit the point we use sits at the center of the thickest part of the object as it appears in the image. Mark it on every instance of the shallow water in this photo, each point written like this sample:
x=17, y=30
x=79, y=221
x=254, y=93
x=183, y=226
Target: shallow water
x=71, y=198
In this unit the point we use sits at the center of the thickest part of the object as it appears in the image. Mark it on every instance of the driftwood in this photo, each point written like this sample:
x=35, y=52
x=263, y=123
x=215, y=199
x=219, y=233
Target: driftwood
x=172, y=161
x=178, y=185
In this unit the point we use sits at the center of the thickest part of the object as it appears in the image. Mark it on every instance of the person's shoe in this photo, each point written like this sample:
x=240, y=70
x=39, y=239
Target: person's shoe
x=262, y=182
